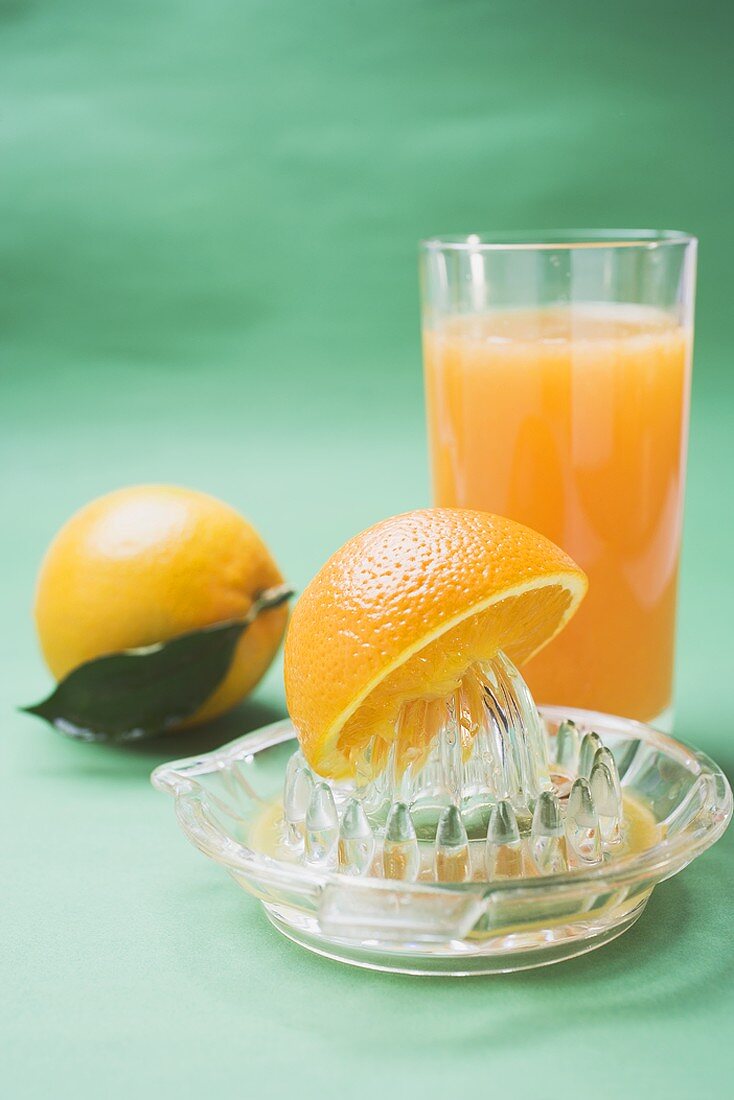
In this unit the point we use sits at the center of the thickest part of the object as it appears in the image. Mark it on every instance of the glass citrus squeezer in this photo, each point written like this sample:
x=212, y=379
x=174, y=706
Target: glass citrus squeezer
x=620, y=807
x=477, y=833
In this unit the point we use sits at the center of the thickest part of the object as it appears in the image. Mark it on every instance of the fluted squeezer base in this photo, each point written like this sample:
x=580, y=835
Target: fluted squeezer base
x=469, y=789
x=492, y=857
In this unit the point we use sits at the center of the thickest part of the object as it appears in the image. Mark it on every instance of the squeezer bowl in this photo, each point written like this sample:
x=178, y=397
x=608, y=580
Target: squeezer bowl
x=228, y=803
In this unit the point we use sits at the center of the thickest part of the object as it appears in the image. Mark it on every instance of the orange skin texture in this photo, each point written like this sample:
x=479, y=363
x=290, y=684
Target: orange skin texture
x=145, y=564
x=391, y=590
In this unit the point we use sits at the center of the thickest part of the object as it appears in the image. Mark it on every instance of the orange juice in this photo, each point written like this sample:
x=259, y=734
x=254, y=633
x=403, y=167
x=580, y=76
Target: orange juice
x=573, y=420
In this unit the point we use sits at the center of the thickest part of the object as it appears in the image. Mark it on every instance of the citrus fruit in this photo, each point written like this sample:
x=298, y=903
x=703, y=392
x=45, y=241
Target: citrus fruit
x=147, y=563
x=402, y=611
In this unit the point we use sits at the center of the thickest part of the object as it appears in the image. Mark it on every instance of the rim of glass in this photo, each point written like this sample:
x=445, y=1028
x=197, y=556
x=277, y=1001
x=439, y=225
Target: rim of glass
x=555, y=239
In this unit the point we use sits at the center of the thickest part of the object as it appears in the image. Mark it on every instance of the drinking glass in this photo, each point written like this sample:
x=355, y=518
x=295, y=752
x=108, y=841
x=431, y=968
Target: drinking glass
x=557, y=374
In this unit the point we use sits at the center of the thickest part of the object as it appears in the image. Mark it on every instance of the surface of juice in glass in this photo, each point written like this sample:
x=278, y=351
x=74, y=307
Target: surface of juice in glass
x=573, y=421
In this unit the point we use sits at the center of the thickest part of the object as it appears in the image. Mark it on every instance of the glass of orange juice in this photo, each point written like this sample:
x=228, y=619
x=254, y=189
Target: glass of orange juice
x=557, y=371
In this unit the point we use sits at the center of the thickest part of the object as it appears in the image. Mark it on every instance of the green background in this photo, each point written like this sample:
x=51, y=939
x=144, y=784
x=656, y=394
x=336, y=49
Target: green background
x=208, y=222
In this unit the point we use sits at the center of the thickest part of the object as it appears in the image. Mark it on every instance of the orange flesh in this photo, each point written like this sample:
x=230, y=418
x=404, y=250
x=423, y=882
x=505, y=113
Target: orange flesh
x=403, y=699
x=574, y=422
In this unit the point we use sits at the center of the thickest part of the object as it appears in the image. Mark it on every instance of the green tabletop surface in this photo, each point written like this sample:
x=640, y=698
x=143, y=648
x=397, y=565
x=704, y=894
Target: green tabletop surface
x=208, y=222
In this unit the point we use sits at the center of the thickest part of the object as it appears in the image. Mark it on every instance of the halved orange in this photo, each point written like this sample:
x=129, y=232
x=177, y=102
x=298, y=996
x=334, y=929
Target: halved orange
x=403, y=610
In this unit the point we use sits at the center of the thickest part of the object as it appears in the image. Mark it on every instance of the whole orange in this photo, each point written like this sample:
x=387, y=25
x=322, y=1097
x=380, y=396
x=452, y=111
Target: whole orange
x=146, y=563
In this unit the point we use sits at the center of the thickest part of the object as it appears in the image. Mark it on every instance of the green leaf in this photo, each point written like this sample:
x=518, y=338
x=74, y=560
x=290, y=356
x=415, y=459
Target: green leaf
x=143, y=692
